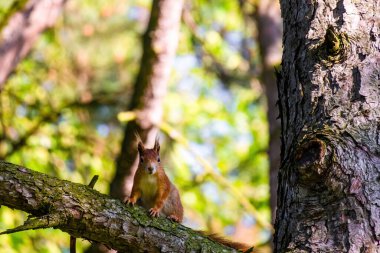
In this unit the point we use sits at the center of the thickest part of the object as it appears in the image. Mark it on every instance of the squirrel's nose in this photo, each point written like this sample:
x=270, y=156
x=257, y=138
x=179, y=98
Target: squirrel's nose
x=150, y=169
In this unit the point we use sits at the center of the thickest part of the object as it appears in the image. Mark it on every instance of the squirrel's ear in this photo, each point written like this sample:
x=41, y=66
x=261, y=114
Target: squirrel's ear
x=156, y=146
x=140, y=147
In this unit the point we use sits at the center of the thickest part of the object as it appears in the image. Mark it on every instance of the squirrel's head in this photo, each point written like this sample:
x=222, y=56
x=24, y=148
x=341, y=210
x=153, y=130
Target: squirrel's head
x=149, y=158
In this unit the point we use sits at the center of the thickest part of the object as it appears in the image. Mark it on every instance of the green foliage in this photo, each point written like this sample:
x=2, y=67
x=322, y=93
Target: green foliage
x=59, y=111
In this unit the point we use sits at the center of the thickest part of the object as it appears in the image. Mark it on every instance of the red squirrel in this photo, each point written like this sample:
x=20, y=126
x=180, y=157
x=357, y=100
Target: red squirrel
x=153, y=187
x=158, y=195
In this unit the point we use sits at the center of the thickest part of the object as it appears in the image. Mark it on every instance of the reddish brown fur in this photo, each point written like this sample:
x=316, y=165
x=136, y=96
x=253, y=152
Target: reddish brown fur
x=235, y=245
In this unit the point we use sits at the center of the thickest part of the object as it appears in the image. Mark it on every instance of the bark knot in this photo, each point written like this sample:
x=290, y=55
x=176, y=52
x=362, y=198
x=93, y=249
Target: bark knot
x=310, y=160
x=334, y=48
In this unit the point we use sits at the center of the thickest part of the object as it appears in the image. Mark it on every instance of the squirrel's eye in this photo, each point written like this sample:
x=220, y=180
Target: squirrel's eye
x=158, y=159
x=141, y=159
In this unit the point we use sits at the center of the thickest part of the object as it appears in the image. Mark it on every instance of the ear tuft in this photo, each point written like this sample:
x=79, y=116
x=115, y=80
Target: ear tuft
x=156, y=145
x=140, y=147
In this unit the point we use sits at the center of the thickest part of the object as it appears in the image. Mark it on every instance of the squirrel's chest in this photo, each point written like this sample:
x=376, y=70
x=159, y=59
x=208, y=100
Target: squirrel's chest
x=148, y=187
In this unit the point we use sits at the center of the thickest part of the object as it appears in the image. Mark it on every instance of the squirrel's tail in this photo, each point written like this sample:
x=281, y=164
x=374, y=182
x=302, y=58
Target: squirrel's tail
x=235, y=245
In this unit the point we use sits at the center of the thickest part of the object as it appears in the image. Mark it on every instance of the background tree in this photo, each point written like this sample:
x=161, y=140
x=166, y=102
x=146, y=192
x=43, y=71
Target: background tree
x=329, y=93
x=267, y=22
x=21, y=25
x=159, y=46
x=146, y=104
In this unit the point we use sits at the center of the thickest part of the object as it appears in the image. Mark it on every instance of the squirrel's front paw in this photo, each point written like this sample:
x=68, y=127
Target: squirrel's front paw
x=130, y=201
x=155, y=212
x=173, y=217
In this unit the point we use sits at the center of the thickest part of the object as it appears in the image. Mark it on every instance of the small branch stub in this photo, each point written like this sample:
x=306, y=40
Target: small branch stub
x=46, y=221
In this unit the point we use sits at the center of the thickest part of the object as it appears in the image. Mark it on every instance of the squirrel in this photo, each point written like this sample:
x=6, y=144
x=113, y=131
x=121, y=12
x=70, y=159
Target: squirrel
x=153, y=187
x=159, y=195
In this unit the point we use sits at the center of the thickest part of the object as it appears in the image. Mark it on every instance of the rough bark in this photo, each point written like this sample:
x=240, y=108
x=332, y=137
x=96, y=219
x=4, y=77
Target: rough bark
x=269, y=37
x=329, y=89
x=85, y=213
x=159, y=45
x=22, y=30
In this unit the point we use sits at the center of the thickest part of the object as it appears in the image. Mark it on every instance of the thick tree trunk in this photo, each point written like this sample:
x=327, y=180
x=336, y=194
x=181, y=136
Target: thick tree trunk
x=22, y=30
x=85, y=213
x=159, y=46
x=329, y=89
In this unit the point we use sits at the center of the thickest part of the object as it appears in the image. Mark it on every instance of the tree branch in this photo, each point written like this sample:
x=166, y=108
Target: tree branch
x=22, y=31
x=83, y=212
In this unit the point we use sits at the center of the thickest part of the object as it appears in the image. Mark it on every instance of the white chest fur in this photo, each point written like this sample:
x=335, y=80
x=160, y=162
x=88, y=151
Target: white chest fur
x=148, y=187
